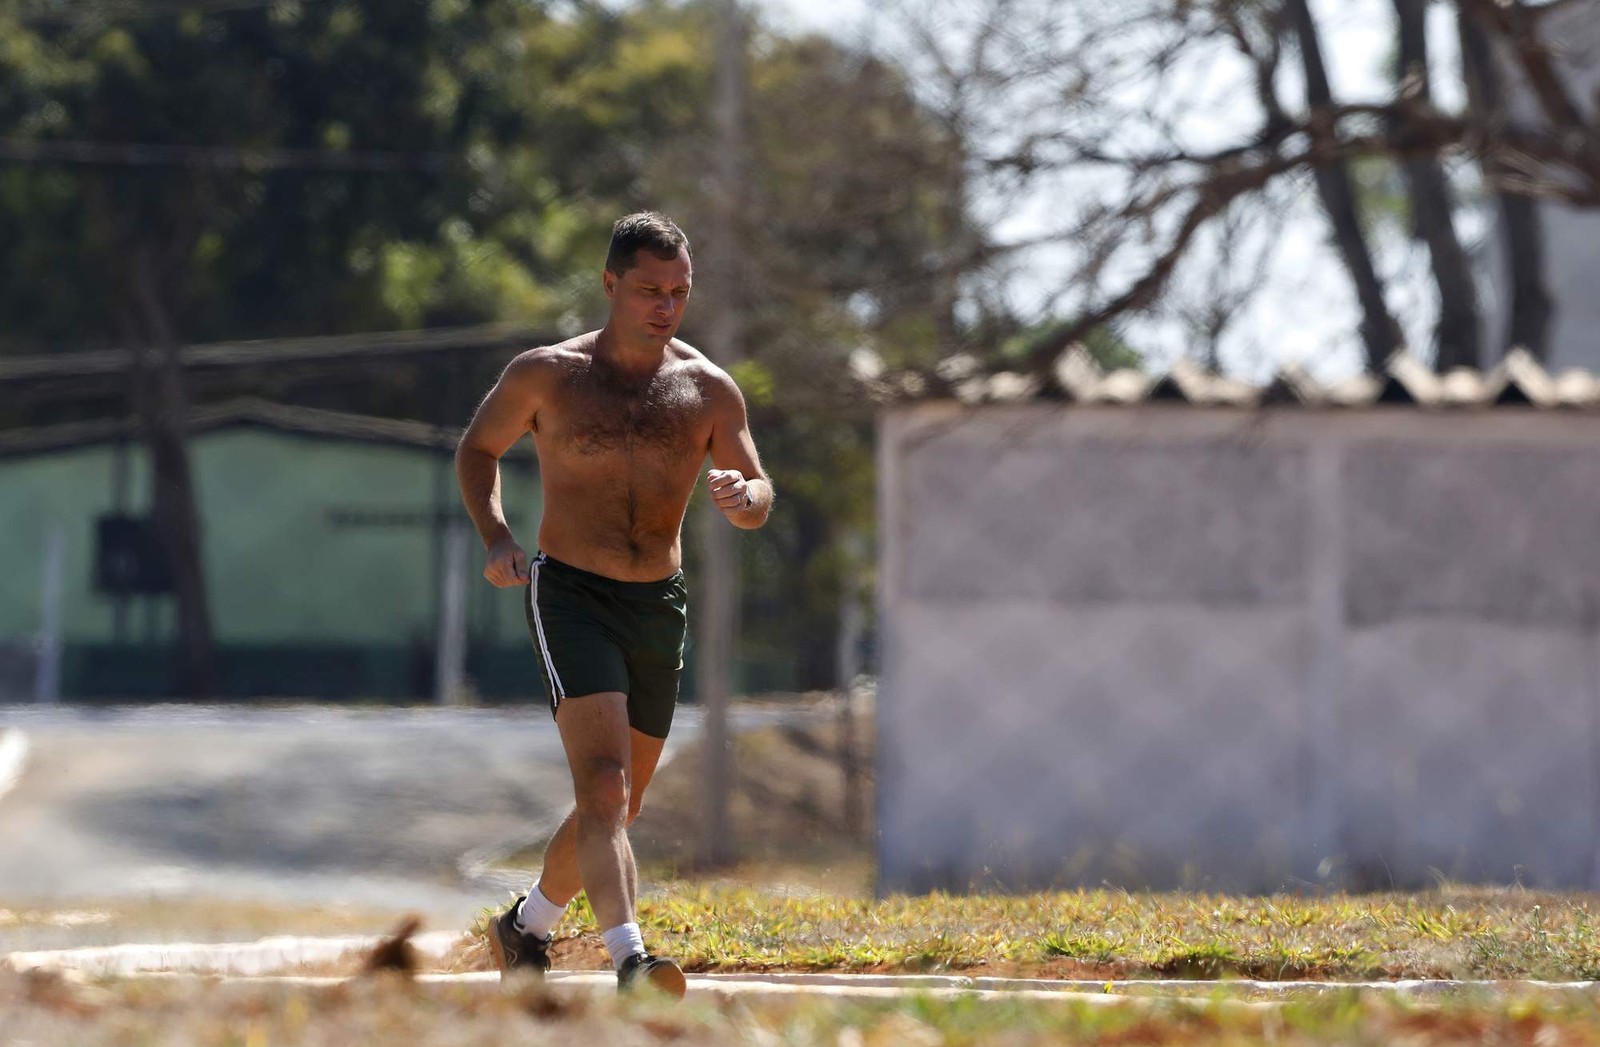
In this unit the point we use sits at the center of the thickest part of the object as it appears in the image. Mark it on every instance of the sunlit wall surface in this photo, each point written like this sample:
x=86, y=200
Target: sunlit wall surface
x=1157, y=645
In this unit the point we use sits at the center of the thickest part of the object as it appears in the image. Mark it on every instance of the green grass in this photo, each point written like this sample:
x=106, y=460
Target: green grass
x=1450, y=933
x=1091, y=948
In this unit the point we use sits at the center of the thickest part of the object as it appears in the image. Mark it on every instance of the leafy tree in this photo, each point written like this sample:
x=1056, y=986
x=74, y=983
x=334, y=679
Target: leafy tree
x=251, y=171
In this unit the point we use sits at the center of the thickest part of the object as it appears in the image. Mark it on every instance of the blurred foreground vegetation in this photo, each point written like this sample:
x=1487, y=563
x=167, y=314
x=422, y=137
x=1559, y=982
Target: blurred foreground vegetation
x=203, y=1013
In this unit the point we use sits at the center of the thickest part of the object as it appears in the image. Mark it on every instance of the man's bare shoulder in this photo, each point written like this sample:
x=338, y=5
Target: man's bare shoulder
x=559, y=358
x=711, y=378
x=543, y=370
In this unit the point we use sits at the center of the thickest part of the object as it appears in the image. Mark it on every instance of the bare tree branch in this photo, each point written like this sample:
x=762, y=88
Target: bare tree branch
x=1212, y=198
x=1119, y=108
x=1400, y=129
x=1518, y=24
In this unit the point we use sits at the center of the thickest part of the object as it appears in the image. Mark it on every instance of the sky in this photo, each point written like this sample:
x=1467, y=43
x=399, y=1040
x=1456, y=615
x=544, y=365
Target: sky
x=841, y=17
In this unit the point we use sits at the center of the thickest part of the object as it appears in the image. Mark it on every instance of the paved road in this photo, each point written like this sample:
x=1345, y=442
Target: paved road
x=303, y=804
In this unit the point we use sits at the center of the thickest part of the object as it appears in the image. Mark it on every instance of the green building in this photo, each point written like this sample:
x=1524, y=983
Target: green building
x=323, y=538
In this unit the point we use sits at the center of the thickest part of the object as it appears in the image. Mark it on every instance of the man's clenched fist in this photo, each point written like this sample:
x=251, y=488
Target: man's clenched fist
x=508, y=564
x=729, y=489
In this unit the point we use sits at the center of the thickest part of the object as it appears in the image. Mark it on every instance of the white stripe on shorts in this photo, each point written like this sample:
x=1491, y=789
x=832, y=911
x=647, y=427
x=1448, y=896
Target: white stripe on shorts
x=538, y=625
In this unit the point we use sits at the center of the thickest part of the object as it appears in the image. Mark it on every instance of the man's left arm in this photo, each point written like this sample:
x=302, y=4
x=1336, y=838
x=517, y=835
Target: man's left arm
x=738, y=486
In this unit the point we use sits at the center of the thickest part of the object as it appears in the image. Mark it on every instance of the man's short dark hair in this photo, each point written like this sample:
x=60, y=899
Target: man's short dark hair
x=644, y=231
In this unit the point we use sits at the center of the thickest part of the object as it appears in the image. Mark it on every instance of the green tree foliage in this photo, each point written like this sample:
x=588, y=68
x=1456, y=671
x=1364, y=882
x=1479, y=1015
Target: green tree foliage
x=334, y=180
x=292, y=167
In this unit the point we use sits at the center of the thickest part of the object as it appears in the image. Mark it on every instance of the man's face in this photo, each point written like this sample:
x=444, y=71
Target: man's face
x=648, y=300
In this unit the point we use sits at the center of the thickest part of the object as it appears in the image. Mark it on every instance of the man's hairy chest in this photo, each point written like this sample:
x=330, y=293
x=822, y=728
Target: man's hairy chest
x=663, y=418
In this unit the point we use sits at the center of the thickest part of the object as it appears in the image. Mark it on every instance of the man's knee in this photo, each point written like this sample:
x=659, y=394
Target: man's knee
x=602, y=792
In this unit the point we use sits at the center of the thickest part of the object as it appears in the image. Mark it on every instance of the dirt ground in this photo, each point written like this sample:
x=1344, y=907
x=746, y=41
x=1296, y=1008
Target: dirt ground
x=798, y=820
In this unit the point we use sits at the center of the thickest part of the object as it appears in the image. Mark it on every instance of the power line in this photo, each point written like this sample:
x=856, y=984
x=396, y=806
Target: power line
x=241, y=158
x=92, y=11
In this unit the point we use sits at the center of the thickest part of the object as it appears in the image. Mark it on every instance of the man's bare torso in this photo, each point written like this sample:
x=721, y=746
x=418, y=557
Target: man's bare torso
x=619, y=454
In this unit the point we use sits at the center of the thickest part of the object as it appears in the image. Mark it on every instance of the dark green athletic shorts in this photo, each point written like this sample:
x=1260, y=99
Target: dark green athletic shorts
x=596, y=634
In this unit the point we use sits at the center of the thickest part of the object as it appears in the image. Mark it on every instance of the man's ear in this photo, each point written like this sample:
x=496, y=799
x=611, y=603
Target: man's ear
x=609, y=280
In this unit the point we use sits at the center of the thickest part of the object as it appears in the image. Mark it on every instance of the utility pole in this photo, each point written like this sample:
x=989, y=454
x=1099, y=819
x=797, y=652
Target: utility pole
x=452, y=549
x=719, y=606
x=450, y=649
x=47, y=677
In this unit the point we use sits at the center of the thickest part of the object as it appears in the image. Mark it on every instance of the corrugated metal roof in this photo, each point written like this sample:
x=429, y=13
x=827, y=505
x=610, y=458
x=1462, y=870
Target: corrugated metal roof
x=1518, y=381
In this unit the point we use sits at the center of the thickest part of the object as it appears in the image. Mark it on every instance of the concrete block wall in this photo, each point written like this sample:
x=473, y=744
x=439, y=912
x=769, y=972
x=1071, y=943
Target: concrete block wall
x=1158, y=646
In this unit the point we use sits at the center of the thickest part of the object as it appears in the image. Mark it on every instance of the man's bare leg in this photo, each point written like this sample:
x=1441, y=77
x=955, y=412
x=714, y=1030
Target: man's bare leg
x=559, y=880
x=595, y=733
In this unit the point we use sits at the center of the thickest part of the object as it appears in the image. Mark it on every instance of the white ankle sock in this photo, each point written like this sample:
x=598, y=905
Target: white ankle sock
x=538, y=915
x=623, y=941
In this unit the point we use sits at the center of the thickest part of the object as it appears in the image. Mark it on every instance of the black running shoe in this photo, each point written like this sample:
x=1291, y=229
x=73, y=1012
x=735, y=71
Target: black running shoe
x=658, y=972
x=515, y=949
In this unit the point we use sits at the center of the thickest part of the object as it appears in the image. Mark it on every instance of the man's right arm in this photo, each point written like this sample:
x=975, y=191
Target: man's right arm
x=505, y=414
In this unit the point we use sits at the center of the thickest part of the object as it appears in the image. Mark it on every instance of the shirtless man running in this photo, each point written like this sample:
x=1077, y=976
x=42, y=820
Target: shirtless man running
x=622, y=419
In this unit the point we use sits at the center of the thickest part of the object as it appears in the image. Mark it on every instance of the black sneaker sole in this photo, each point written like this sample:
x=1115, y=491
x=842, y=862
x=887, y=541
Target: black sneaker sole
x=665, y=978
x=498, y=951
